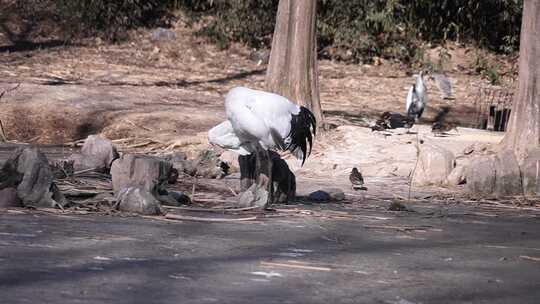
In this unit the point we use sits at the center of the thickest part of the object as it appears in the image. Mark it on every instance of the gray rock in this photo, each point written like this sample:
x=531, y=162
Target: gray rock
x=319, y=196
x=177, y=160
x=260, y=56
x=101, y=150
x=84, y=162
x=476, y=148
x=458, y=176
x=434, y=165
x=254, y=196
x=29, y=172
x=209, y=165
x=507, y=174
x=162, y=34
x=327, y=194
x=149, y=173
x=189, y=167
x=530, y=170
x=481, y=176
x=8, y=198
x=137, y=200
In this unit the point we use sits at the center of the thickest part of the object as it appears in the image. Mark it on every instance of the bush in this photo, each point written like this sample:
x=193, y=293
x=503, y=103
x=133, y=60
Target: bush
x=387, y=28
x=360, y=29
x=109, y=19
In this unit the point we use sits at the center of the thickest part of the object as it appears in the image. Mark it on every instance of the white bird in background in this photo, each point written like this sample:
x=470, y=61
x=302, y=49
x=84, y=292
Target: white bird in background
x=417, y=98
x=444, y=84
x=258, y=118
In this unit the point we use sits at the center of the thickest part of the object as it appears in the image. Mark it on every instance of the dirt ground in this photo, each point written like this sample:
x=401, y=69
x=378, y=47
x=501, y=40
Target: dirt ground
x=152, y=96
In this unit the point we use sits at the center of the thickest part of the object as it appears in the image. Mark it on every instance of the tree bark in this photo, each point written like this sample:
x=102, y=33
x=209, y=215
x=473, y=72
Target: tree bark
x=292, y=69
x=523, y=132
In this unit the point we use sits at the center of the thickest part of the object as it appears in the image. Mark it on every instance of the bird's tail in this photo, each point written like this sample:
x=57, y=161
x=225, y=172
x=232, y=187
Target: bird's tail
x=303, y=129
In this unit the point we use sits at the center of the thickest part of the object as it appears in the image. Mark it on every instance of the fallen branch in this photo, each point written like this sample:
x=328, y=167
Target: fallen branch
x=295, y=266
x=530, y=258
x=213, y=200
x=9, y=90
x=216, y=210
x=212, y=220
x=2, y=133
x=398, y=228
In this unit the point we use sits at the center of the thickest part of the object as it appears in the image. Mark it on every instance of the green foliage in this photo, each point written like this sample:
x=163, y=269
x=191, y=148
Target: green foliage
x=367, y=28
x=110, y=18
x=489, y=70
x=361, y=29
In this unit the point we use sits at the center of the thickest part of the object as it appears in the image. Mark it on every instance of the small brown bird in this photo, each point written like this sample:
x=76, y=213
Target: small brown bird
x=440, y=125
x=440, y=128
x=357, y=180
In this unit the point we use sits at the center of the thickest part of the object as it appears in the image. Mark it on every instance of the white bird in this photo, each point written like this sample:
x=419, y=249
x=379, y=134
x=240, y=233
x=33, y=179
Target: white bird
x=444, y=84
x=417, y=98
x=258, y=118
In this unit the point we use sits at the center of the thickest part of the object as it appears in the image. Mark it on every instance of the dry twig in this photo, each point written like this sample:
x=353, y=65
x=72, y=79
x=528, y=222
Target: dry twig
x=213, y=220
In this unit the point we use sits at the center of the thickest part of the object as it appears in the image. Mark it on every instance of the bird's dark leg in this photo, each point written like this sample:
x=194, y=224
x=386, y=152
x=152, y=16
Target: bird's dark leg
x=247, y=170
x=263, y=177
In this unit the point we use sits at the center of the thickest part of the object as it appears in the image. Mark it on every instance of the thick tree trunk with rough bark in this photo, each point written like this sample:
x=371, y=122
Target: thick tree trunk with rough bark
x=292, y=70
x=515, y=169
x=524, y=127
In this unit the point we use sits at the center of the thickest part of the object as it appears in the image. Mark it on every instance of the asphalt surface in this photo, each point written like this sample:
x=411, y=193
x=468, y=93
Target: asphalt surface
x=459, y=257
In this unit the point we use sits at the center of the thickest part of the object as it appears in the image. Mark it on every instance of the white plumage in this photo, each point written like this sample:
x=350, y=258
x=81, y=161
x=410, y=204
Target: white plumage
x=416, y=98
x=265, y=119
x=444, y=84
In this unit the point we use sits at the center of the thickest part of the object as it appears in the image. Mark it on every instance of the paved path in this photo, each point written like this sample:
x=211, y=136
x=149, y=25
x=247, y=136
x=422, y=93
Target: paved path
x=460, y=258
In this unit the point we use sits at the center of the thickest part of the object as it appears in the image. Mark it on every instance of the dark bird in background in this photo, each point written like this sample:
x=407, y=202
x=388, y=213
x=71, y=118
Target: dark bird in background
x=357, y=180
x=443, y=84
x=389, y=120
x=440, y=126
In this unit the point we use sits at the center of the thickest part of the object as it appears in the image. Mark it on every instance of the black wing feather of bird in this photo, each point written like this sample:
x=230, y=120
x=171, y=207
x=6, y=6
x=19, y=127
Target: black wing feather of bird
x=303, y=129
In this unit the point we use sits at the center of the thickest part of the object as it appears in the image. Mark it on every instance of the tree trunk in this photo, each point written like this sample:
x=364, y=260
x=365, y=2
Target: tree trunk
x=524, y=126
x=292, y=70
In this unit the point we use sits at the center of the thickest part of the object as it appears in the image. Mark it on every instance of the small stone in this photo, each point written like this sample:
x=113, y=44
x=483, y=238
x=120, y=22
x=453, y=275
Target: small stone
x=149, y=173
x=162, y=34
x=137, y=200
x=255, y=196
x=319, y=196
x=100, y=149
x=328, y=194
x=477, y=148
x=434, y=165
x=458, y=176
x=83, y=162
x=209, y=165
x=395, y=206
